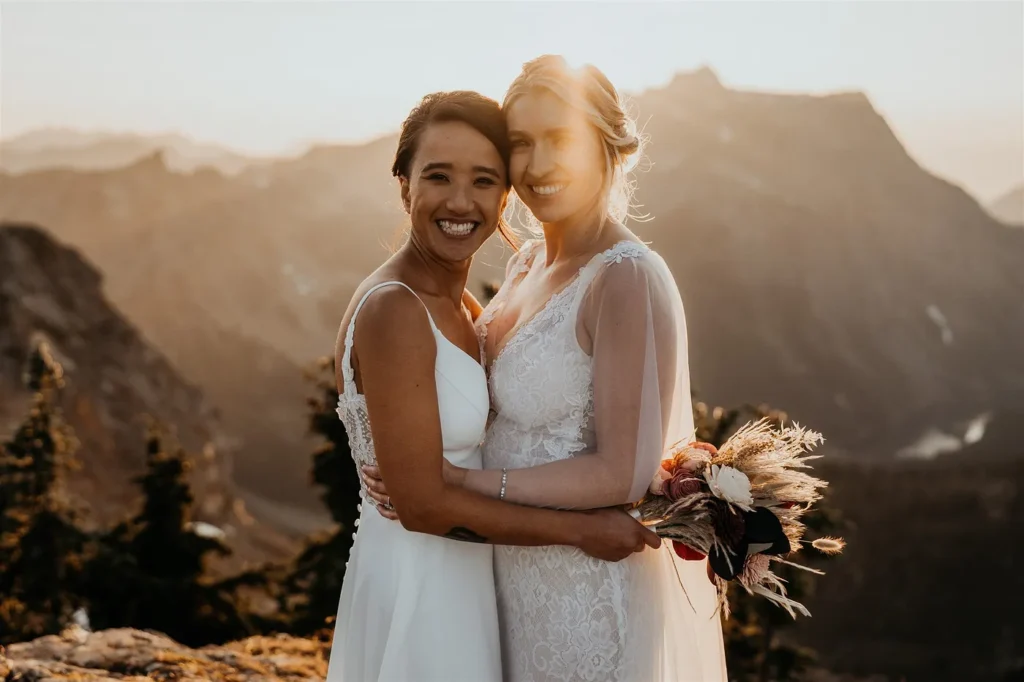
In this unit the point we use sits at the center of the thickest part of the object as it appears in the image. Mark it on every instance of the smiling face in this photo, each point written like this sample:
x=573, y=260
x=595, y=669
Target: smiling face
x=455, y=190
x=558, y=160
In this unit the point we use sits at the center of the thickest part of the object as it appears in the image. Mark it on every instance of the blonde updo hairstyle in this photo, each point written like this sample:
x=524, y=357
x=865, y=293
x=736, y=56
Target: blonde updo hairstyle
x=589, y=90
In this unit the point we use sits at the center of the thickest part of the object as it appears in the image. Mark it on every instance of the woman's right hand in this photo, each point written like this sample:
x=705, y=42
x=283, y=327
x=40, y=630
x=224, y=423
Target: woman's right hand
x=611, y=534
x=377, y=491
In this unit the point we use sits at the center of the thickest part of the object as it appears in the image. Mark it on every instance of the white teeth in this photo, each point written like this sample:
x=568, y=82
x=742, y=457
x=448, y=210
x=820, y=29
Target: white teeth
x=547, y=189
x=456, y=229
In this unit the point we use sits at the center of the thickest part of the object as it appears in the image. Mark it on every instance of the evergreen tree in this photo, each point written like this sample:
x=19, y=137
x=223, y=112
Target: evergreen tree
x=43, y=445
x=314, y=583
x=40, y=546
x=148, y=572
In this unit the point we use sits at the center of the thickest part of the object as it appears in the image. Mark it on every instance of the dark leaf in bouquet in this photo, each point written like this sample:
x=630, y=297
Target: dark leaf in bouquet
x=727, y=567
x=730, y=524
x=730, y=530
x=762, y=527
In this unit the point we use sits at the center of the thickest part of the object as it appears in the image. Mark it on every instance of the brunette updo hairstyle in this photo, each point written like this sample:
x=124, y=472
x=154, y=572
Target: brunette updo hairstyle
x=481, y=113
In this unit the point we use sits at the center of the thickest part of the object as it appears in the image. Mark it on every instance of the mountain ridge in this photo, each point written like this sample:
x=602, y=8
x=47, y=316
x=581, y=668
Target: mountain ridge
x=1009, y=207
x=831, y=252
x=114, y=382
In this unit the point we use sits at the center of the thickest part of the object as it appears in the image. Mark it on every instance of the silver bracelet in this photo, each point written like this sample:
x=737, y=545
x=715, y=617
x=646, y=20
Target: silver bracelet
x=504, y=480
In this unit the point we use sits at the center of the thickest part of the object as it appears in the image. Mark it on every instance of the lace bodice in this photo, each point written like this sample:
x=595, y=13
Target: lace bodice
x=564, y=615
x=461, y=396
x=541, y=380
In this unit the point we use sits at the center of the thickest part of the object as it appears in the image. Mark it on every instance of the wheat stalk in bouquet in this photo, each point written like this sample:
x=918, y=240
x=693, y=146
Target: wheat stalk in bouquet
x=740, y=506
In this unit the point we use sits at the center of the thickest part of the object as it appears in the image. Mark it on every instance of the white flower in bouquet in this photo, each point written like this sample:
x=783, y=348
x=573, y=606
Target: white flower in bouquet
x=729, y=484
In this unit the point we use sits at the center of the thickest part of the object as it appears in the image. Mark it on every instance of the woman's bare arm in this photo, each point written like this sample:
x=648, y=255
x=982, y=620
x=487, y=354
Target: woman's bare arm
x=472, y=304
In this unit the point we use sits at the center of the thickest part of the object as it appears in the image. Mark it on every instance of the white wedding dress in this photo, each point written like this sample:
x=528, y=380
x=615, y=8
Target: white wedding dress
x=564, y=616
x=414, y=606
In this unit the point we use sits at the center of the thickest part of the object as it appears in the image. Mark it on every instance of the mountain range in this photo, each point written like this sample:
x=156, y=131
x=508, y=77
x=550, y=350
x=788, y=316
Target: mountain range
x=827, y=273
x=823, y=270
x=50, y=148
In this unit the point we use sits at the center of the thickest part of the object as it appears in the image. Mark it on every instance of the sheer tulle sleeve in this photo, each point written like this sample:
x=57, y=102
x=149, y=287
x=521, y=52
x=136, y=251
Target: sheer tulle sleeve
x=635, y=319
x=630, y=321
x=642, y=405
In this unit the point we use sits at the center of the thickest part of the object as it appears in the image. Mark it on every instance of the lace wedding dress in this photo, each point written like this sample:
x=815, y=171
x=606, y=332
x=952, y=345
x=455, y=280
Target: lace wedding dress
x=416, y=606
x=564, y=616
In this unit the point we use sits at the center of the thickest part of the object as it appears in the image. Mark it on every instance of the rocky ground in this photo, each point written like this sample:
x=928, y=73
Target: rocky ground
x=133, y=655
x=125, y=654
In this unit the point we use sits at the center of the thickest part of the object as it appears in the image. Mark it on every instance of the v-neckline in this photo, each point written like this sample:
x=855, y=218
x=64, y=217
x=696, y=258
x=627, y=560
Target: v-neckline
x=518, y=326
x=462, y=351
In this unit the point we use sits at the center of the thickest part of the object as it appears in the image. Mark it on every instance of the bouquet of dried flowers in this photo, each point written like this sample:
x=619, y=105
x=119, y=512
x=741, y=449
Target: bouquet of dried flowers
x=740, y=506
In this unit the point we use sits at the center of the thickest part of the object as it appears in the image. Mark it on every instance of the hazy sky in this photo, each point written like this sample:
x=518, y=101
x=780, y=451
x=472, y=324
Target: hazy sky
x=269, y=77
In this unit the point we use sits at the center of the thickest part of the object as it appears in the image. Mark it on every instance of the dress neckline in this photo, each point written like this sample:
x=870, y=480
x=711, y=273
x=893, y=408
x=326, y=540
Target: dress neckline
x=511, y=334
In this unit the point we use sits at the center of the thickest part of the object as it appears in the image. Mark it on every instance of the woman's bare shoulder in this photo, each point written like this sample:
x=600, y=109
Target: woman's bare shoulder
x=389, y=317
x=388, y=309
